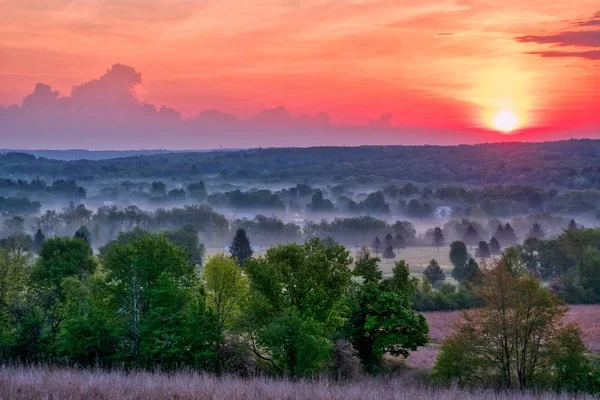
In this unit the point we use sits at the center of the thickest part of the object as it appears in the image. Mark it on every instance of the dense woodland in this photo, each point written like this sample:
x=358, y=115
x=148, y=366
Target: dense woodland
x=571, y=163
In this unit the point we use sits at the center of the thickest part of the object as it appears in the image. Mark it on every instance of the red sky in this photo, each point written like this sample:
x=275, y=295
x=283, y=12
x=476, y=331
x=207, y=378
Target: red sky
x=442, y=68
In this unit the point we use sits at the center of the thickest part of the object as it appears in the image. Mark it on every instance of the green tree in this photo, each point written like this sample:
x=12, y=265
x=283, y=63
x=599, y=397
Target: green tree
x=458, y=257
x=376, y=245
x=471, y=236
x=226, y=287
x=483, y=250
x=240, y=248
x=523, y=318
x=59, y=259
x=152, y=285
x=434, y=274
x=38, y=240
x=399, y=242
x=295, y=304
x=84, y=233
x=367, y=267
x=187, y=237
x=381, y=320
x=438, y=238
x=495, y=247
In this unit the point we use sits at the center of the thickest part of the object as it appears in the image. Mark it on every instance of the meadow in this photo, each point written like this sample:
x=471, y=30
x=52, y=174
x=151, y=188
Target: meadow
x=440, y=323
x=61, y=384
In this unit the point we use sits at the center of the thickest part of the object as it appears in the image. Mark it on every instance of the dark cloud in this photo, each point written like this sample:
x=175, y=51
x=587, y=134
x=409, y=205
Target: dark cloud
x=588, y=55
x=384, y=122
x=568, y=38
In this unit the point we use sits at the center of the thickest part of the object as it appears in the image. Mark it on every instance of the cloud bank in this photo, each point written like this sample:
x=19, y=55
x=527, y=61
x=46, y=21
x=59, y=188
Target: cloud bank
x=106, y=113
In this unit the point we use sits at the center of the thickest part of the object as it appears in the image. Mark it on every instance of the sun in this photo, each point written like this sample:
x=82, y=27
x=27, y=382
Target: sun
x=505, y=121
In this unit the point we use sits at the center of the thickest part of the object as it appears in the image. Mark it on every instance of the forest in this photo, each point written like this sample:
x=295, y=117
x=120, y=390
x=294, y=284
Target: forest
x=303, y=264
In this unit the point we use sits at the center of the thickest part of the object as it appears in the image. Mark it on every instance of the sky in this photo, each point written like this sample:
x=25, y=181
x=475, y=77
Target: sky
x=129, y=74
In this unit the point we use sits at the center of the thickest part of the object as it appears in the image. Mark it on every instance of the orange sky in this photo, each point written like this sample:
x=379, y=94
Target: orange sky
x=439, y=64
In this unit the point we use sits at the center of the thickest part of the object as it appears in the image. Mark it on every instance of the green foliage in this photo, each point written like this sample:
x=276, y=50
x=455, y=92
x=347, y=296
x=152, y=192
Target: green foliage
x=240, y=248
x=367, y=266
x=434, y=274
x=295, y=303
x=458, y=257
x=381, y=319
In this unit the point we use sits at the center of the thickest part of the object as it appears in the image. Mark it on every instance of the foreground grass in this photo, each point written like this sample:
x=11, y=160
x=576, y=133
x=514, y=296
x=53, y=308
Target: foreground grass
x=18, y=383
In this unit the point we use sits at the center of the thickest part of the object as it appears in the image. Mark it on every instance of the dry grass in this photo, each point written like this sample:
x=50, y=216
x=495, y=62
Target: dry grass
x=59, y=384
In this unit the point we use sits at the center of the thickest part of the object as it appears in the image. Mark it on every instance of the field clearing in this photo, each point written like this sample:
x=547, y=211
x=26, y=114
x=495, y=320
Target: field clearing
x=61, y=384
x=441, y=326
x=416, y=257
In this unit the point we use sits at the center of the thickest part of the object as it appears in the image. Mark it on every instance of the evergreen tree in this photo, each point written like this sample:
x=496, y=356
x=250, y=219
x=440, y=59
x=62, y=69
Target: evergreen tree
x=38, y=240
x=240, y=248
x=438, y=238
x=376, y=245
x=495, y=247
x=483, y=250
x=572, y=225
x=388, y=240
x=458, y=257
x=509, y=235
x=84, y=234
x=471, y=271
x=500, y=235
x=471, y=236
x=536, y=231
x=434, y=274
x=389, y=252
x=399, y=242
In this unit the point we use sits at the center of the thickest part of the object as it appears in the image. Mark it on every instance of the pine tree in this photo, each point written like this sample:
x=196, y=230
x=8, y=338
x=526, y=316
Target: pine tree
x=471, y=236
x=240, y=248
x=434, y=274
x=495, y=247
x=399, y=242
x=38, y=240
x=572, y=226
x=388, y=240
x=389, y=252
x=438, y=237
x=483, y=250
x=84, y=234
x=509, y=235
x=536, y=231
x=500, y=235
x=376, y=245
x=471, y=271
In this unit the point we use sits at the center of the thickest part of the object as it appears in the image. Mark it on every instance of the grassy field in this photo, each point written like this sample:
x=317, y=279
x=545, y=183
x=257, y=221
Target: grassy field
x=416, y=257
x=61, y=384
x=440, y=327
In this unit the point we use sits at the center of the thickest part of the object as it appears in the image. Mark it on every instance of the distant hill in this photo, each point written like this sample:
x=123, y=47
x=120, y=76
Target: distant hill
x=571, y=163
x=80, y=154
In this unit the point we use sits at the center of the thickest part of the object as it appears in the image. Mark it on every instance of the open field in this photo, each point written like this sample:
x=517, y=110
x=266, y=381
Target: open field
x=59, y=384
x=440, y=327
x=416, y=257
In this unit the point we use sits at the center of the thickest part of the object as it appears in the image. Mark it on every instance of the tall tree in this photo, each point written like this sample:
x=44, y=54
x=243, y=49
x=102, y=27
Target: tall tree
x=483, y=250
x=495, y=247
x=458, y=257
x=376, y=245
x=225, y=288
x=510, y=237
x=388, y=253
x=381, y=320
x=367, y=267
x=38, y=240
x=399, y=242
x=295, y=304
x=536, y=231
x=84, y=233
x=240, y=247
x=388, y=240
x=434, y=274
x=471, y=236
x=523, y=317
x=572, y=225
x=438, y=238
